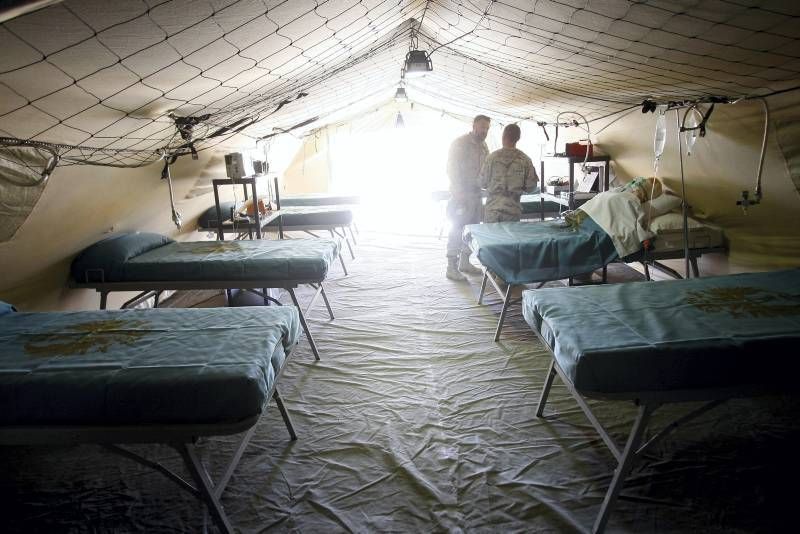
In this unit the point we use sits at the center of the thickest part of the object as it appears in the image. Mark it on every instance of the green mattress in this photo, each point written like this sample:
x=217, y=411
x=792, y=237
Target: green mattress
x=529, y=252
x=141, y=367
x=313, y=216
x=304, y=260
x=532, y=205
x=319, y=199
x=701, y=333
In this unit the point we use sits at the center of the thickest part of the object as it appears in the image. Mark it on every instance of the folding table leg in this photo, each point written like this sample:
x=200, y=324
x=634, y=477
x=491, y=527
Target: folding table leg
x=304, y=323
x=506, y=300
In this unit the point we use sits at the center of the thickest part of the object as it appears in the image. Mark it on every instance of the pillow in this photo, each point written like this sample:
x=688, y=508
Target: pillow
x=672, y=221
x=6, y=308
x=105, y=260
x=660, y=205
x=208, y=219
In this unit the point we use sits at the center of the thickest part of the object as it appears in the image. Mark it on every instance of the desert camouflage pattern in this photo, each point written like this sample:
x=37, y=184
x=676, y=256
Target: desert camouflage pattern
x=506, y=174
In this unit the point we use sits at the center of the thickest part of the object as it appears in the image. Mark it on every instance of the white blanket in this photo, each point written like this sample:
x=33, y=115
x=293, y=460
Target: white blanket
x=621, y=216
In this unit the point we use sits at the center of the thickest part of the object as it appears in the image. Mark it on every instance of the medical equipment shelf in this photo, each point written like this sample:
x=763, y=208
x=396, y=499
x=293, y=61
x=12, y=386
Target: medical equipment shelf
x=260, y=221
x=569, y=201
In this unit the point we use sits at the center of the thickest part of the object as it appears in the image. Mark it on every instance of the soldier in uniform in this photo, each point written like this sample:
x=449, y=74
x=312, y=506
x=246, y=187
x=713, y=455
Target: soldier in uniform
x=464, y=162
x=506, y=174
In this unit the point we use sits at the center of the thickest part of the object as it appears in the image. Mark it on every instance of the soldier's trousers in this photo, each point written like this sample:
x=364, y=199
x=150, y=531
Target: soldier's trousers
x=493, y=216
x=461, y=213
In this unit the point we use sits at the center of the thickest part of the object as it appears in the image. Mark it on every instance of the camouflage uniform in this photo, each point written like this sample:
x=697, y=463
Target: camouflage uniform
x=463, y=165
x=506, y=174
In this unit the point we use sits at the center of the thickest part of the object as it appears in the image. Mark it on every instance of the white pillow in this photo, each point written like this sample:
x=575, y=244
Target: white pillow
x=672, y=221
x=660, y=205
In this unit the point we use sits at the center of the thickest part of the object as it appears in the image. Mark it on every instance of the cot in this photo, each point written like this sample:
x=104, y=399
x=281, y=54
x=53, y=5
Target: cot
x=144, y=376
x=336, y=220
x=152, y=263
x=701, y=339
x=520, y=253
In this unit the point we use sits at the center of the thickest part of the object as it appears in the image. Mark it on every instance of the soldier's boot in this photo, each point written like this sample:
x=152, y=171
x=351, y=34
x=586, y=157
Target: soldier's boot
x=452, y=271
x=465, y=266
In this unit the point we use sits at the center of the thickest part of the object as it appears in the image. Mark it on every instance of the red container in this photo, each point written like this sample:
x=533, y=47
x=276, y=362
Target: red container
x=578, y=150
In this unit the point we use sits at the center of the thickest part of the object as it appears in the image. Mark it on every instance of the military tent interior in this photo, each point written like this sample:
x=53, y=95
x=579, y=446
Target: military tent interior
x=115, y=117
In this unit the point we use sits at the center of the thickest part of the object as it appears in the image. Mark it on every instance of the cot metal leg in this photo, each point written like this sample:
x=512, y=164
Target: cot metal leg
x=284, y=414
x=229, y=297
x=350, y=248
x=304, y=324
x=344, y=268
x=234, y=462
x=314, y=298
x=506, y=300
x=205, y=485
x=605, y=274
x=548, y=383
x=624, y=467
x=646, y=271
x=352, y=234
x=325, y=300
x=103, y=299
x=157, y=298
x=483, y=286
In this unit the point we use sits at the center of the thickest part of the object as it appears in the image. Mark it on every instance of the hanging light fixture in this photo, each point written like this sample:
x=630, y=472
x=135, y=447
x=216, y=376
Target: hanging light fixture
x=400, y=95
x=399, y=122
x=418, y=63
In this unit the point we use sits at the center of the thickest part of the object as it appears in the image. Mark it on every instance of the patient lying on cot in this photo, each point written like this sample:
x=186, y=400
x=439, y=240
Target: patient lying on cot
x=651, y=200
x=624, y=212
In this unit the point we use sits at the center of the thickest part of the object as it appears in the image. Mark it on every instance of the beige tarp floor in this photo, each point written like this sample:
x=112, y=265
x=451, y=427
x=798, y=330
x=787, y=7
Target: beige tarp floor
x=416, y=421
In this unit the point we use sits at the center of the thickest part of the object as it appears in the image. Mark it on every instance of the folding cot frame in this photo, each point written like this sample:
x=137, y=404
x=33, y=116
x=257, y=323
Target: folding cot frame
x=262, y=223
x=154, y=289
x=336, y=230
x=247, y=230
x=636, y=443
x=181, y=437
x=653, y=259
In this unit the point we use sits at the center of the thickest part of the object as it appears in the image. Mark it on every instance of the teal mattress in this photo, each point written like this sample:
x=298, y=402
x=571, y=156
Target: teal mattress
x=319, y=199
x=305, y=260
x=141, y=367
x=313, y=216
x=532, y=205
x=529, y=252
x=701, y=333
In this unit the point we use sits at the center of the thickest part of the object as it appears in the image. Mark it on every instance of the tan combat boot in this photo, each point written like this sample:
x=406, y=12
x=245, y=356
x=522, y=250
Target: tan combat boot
x=452, y=271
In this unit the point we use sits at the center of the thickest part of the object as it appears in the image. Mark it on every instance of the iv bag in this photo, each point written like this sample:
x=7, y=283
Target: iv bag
x=690, y=136
x=660, y=138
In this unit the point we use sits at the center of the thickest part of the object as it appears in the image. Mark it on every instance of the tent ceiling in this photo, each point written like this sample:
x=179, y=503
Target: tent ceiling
x=105, y=74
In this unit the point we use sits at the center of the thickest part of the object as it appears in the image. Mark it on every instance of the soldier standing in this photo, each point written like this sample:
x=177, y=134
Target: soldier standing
x=506, y=174
x=464, y=162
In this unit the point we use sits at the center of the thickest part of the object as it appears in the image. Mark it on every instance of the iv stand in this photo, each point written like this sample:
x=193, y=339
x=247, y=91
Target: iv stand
x=684, y=205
